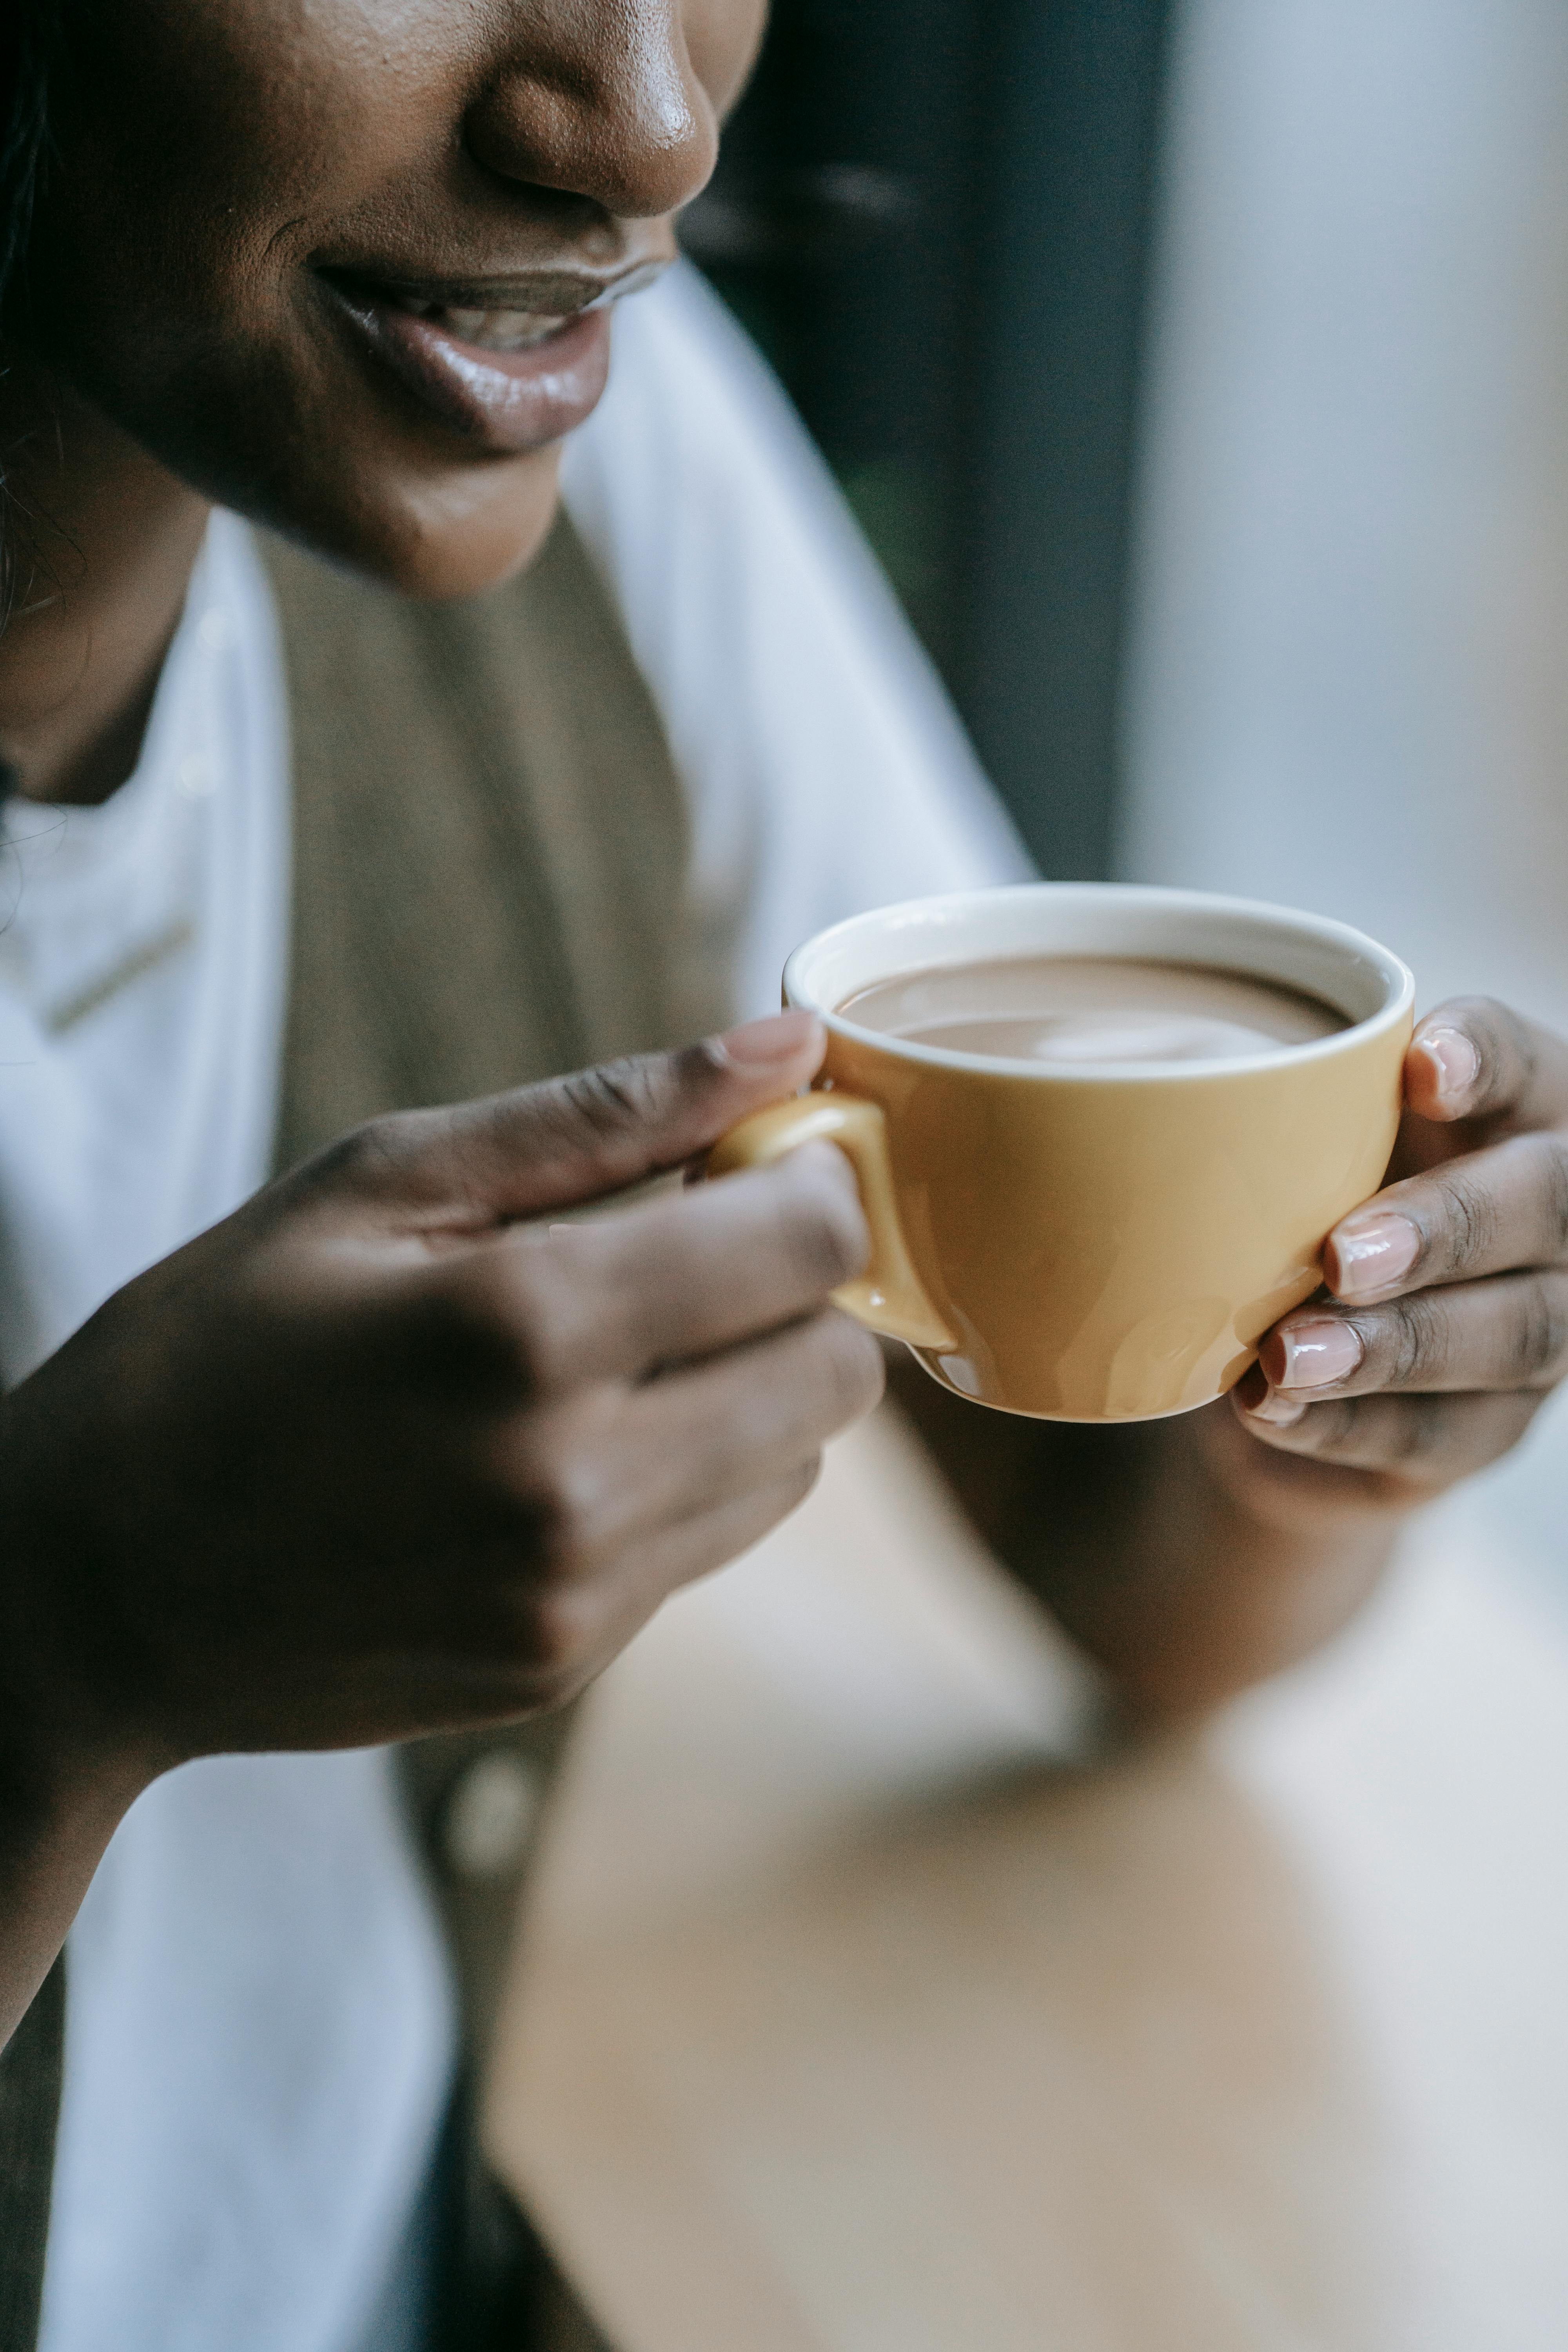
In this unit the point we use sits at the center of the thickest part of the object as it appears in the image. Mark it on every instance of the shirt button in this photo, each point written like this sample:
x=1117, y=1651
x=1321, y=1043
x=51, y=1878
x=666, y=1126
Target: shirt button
x=489, y=1814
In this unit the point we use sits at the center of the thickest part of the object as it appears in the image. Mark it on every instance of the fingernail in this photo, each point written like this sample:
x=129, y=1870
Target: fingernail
x=777, y=1037
x=1371, y=1254
x=1316, y=1354
x=1277, y=1411
x=1454, y=1059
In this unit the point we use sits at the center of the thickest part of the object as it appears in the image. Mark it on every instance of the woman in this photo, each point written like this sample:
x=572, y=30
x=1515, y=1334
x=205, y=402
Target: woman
x=385, y=1452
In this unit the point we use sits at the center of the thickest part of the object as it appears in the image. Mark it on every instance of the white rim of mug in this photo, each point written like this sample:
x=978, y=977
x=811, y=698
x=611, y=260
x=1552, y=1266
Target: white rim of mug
x=1399, y=980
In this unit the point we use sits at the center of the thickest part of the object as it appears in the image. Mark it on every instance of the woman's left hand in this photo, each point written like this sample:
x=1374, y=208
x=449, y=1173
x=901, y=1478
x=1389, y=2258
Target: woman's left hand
x=1447, y=1324
x=1194, y=1557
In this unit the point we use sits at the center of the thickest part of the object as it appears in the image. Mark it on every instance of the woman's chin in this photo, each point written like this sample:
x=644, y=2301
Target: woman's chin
x=446, y=535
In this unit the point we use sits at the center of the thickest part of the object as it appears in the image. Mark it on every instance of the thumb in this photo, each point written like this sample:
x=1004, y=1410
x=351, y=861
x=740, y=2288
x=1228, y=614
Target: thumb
x=575, y=1138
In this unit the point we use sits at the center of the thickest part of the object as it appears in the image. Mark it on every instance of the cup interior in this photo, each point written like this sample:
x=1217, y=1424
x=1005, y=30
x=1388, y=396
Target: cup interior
x=1366, y=983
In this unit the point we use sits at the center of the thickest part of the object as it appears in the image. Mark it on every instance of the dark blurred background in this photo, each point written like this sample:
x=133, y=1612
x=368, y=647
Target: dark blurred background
x=934, y=216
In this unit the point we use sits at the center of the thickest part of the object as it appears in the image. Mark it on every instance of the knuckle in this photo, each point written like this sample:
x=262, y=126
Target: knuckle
x=555, y=1639
x=509, y=1318
x=1512, y=1418
x=1505, y=1045
x=1539, y=1336
x=1417, y=1431
x=870, y=1371
x=768, y=1506
x=821, y=1229
x=542, y=1317
x=1467, y=1223
x=1326, y=1428
x=853, y=1368
x=1411, y=1341
x=1550, y=1154
x=794, y=1489
x=365, y=1159
x=561, y=1487
x=614, y=1095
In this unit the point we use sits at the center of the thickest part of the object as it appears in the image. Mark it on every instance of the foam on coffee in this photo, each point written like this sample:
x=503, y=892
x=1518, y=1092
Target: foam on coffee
x=1077, y=1009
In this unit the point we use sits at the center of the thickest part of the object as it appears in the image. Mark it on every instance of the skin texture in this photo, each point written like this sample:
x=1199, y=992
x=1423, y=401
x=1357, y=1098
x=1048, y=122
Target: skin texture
x=376, y=1456
x=180, y=335
x=270, y=147
x=483, y=1452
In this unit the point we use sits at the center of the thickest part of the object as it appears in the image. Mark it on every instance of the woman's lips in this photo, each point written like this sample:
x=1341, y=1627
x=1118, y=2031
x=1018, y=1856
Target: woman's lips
x=510, y=380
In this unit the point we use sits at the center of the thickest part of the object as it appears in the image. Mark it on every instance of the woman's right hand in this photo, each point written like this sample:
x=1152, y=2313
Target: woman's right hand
x=376, y=1456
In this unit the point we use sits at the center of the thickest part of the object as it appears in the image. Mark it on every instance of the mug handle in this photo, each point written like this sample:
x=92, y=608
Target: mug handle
x=889, y=1297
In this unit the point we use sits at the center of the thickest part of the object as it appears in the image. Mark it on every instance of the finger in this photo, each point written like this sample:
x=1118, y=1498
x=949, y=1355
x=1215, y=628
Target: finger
x=1484, y=1214
x=1508, y=1333
x=682, y=1277
x=506, y=1646
x=615, y=1469
x=526, y=1317
x=583, y=1626
x=1427, y=1441
x=472, y=1166
x=1475, y=1058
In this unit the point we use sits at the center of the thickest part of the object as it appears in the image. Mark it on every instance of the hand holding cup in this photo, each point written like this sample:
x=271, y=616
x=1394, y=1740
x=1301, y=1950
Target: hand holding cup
x=1445, y=1326
x=389, y=1450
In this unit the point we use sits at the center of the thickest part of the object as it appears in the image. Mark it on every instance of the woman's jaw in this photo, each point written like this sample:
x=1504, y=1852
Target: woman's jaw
x=360, y=292
x=405, y=421
x=465, y=388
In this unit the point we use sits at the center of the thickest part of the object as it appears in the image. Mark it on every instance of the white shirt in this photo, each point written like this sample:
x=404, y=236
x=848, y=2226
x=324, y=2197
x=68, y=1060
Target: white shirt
x=141, y=951
x=260, y=2029
x=824, y=768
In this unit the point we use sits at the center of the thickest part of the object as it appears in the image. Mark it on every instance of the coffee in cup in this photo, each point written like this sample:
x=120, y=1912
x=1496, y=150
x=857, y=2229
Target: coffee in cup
x=1100, y=1132
x=1075, y=1009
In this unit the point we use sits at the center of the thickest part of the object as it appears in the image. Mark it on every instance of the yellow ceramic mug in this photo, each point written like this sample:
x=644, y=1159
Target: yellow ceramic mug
x=1106, y=1243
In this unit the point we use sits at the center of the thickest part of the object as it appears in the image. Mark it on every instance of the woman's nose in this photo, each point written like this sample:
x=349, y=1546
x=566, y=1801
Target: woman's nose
x=597, y=98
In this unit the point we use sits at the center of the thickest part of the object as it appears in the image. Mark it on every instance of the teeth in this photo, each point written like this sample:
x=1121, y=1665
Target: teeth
x=491, y=331
x=504, y=330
